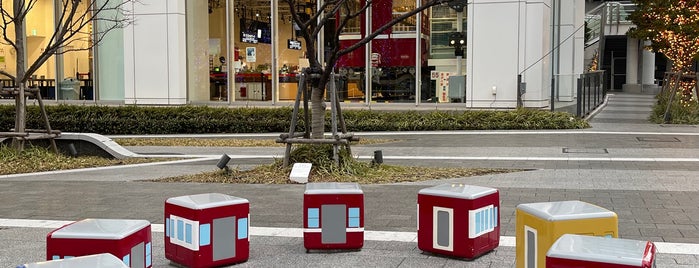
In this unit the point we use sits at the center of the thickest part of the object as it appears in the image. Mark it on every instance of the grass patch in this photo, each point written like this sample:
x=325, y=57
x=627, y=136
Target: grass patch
x=220, y=142
x=37, y=159
x=326, y=170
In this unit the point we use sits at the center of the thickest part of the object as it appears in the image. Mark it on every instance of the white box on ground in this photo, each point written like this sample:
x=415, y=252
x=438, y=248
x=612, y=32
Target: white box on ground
x=300, y=172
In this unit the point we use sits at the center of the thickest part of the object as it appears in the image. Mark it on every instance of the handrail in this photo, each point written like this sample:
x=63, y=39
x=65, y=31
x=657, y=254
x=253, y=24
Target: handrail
x=591, y=92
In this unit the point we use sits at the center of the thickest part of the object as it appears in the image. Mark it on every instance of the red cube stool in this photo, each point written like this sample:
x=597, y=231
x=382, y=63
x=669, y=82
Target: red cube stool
x=333, y=216
x=207, y=230
x=129, y=240
x=458, y=220
x=582, y=251
x=104, y=260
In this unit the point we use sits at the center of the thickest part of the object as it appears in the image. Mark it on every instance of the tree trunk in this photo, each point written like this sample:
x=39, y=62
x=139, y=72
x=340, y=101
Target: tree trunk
x=20, y=101
x=317, y=112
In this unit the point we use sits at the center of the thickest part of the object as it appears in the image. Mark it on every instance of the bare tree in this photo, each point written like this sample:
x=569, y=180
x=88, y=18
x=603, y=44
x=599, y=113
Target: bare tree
x=72, y=25
x=343, y=11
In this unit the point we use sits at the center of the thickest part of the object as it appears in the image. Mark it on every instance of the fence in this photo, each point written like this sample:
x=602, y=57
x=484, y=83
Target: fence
x=591, y=92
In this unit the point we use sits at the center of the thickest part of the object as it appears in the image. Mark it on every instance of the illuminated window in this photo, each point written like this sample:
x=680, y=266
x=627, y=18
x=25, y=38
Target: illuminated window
x=353, y=26
x=401, y=7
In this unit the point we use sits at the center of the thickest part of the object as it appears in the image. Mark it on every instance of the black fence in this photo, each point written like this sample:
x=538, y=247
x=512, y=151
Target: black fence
x=591, y=92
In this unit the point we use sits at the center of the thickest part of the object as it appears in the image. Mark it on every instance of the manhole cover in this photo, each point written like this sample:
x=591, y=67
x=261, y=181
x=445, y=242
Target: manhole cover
x=658, y=139
x=585, y=151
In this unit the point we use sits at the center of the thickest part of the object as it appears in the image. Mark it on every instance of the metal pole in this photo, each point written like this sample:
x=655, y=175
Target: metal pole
x=333, y=117
x=418, y=54
x=230, y=74
x=367, y=58
x=460, y=29
x=274, y=6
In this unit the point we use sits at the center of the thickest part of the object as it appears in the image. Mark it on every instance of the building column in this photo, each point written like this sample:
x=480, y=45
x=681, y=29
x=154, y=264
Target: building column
x=631, y=61
x=648, y=67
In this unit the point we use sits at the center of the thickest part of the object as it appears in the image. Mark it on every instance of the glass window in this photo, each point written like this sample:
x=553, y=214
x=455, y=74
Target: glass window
x=188, y=233
x=354, y=25
x=126, y=259
x=242, y=228
x=401, y=7
x=149, y=254
x=313, y=218
x=180, y=230
x=167, y=227
x=353, y=214
x=204, y=234
x=172, y=228
x=482, y=220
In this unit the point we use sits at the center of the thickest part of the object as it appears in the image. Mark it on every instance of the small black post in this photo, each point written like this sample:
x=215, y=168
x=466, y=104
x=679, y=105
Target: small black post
x=578, y=111
x=519, y=91
x=553, y=91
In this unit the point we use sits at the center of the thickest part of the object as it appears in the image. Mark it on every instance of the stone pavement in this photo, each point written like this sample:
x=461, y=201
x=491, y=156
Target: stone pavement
x=646, y=173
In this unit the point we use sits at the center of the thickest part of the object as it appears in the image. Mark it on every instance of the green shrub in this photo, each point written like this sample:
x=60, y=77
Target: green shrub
x=679, y=113
x=110, y=120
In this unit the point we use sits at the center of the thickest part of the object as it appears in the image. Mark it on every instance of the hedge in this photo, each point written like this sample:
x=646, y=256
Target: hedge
x=114, y=120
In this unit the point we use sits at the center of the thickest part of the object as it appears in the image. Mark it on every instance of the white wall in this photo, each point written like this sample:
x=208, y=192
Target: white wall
x=572, y=19
x=537, y=65
x=155, y=54
x=504, y=38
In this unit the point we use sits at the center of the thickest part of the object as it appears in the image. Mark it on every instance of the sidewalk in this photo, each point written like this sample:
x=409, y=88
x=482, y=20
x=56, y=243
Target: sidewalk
x=646, y=173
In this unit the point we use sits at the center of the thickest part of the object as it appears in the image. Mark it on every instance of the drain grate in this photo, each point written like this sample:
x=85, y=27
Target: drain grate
x=658, y=139
x=585, y=151
x=678, y=125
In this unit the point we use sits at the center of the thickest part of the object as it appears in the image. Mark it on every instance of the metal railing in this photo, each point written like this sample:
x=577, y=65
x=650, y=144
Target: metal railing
x=608, y=14
x=591, y=92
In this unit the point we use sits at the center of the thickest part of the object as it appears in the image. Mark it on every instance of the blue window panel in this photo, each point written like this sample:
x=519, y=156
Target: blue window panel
x=353, y=213
x=127, y=260
x=488, y=218
x=55, y=257
x=353, y=222
x=313, y=213
x=495, y=216
x=68, y=257
x=149, y=256
x=242, y=228
x=180, y=230
x=172, y=228
x=205, y=234
x=478, y=222
x=188, y=233
x=167, y=227
x=313, y=223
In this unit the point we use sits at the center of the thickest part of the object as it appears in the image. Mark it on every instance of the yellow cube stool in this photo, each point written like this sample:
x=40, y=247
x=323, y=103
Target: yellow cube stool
x=539, y=225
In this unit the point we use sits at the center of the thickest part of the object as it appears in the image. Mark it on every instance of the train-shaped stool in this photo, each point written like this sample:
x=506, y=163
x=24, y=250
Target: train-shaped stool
x=333, y=216
x=600, y=252
x=128, y=240
x=103, y=260
x=458, y=220
x=540, y=224
x=207, y=230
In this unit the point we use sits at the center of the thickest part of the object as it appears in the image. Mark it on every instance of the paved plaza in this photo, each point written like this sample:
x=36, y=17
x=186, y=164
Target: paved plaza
x=648, y=174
